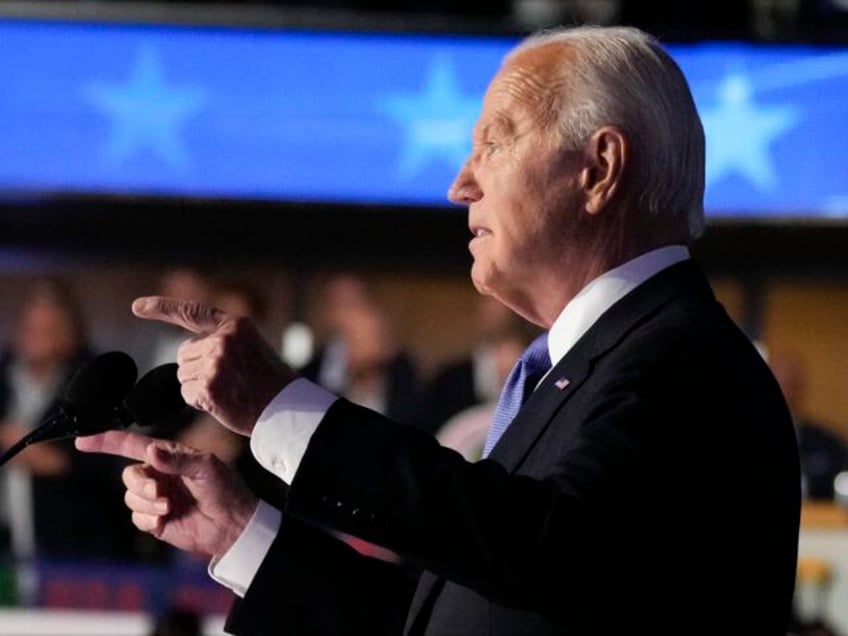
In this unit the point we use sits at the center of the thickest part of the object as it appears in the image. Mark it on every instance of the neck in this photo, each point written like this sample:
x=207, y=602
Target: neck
x=580, y=273
x=597, y=244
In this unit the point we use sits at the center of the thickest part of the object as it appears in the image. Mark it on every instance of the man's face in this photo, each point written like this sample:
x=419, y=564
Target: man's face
x=520, y=188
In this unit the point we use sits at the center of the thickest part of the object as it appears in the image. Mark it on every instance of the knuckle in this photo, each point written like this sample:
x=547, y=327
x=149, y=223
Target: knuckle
x=184, y=350
x=218, y=349
x=189, y=394
x=187, y=312
x=203, y=401
x=183, y=374
x=130, y=475
x=213, y=315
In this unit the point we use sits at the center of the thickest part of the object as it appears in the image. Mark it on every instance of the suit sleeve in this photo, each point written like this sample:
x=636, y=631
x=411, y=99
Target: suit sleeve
x=321, y=587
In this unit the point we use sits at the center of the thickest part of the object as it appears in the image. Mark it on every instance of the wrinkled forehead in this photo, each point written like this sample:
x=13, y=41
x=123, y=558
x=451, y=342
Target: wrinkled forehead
x=531, y=82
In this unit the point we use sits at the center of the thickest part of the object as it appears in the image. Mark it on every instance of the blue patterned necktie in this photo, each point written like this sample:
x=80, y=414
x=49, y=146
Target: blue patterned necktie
x=525, y=375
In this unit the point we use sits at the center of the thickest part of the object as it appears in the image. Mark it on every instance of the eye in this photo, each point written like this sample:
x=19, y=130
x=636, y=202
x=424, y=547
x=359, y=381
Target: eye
x=492, y=147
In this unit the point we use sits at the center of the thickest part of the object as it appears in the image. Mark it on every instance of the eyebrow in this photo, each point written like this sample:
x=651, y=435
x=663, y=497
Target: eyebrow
x=500, y=123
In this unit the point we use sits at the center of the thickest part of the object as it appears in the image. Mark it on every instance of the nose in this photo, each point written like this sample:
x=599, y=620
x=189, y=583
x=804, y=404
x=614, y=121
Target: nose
x=465, y=190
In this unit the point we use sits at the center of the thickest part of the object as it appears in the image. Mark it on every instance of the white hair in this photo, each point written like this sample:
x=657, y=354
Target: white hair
x=622, y=76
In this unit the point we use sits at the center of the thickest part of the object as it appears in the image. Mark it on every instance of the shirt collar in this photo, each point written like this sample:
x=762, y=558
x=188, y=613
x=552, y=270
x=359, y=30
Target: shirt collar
x=603, y=292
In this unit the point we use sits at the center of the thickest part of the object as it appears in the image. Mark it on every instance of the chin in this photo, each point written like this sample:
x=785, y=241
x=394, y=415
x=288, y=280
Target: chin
x=516, y=302
x=480, y=282
x=486, y=288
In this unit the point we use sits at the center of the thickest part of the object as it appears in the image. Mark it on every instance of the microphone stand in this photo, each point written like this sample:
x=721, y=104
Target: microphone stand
x=64, y=416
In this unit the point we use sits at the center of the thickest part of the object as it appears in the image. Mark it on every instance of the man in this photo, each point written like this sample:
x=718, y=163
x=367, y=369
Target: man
x=360, y=358
x=614, y=502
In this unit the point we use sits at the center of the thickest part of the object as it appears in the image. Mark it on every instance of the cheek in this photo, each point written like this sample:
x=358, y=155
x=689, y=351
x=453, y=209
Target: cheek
x=523, y=232
x=518, y=199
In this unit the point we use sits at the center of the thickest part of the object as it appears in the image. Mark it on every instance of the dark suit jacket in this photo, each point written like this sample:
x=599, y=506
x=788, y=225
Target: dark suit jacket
x=658, y=491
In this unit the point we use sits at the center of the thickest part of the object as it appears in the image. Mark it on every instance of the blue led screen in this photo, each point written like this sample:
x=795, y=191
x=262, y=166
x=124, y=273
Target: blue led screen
x=365, y=117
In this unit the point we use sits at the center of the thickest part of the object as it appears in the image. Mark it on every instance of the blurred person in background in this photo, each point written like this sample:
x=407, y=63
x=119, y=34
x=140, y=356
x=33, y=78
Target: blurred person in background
x=360, y=357
x=58, y=504
x=341, y=296
x=823, y=452
x=240, y=298
x=465, y=430
x=476, y=378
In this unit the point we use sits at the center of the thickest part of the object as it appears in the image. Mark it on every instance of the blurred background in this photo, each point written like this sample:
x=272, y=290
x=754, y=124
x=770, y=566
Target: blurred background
x=288, y=160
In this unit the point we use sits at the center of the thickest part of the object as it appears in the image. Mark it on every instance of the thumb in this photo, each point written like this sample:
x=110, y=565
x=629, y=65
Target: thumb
x=188, y=314
x=172, y=458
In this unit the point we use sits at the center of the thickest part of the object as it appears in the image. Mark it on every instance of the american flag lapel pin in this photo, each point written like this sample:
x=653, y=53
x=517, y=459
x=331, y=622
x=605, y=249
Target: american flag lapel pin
x=562, y=383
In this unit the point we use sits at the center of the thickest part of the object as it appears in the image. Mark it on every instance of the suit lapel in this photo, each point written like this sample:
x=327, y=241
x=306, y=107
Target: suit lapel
x=534, y=417
x=567, y=376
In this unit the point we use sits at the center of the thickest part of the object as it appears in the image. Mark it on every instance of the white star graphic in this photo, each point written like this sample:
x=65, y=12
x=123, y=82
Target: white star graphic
x=739, y=134
x=437, y=121
x=146, y=114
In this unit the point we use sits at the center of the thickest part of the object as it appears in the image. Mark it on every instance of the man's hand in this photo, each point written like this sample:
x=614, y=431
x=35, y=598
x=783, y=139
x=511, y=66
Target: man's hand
x=228, y=370
x=187, y=498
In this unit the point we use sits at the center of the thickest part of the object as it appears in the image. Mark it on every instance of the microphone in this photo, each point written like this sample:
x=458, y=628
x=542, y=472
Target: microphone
x=101, y=397
x=92, y=392
x=155, y=399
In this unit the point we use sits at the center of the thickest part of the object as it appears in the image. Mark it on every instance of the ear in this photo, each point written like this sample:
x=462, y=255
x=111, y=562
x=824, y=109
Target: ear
x=606, y=154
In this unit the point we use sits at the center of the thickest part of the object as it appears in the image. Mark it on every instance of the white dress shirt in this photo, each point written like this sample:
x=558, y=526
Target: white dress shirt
x=285, y=427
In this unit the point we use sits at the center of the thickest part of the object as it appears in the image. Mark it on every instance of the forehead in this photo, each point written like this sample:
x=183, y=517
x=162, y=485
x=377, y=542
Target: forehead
x=528, y=83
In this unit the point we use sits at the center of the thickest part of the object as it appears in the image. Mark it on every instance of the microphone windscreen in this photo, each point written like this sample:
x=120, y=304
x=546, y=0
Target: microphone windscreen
x=157, y=397
x=101, y=383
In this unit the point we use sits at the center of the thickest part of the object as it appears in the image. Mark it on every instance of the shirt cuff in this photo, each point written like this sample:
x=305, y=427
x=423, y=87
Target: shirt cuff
x=285, y=427
x=236, y=568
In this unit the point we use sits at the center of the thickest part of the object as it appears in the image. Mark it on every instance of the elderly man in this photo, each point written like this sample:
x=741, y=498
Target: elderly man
x=649, y=481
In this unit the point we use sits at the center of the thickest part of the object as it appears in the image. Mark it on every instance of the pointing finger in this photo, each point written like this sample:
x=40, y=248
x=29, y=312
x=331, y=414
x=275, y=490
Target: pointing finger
x=124, y=443
x=188, y=314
